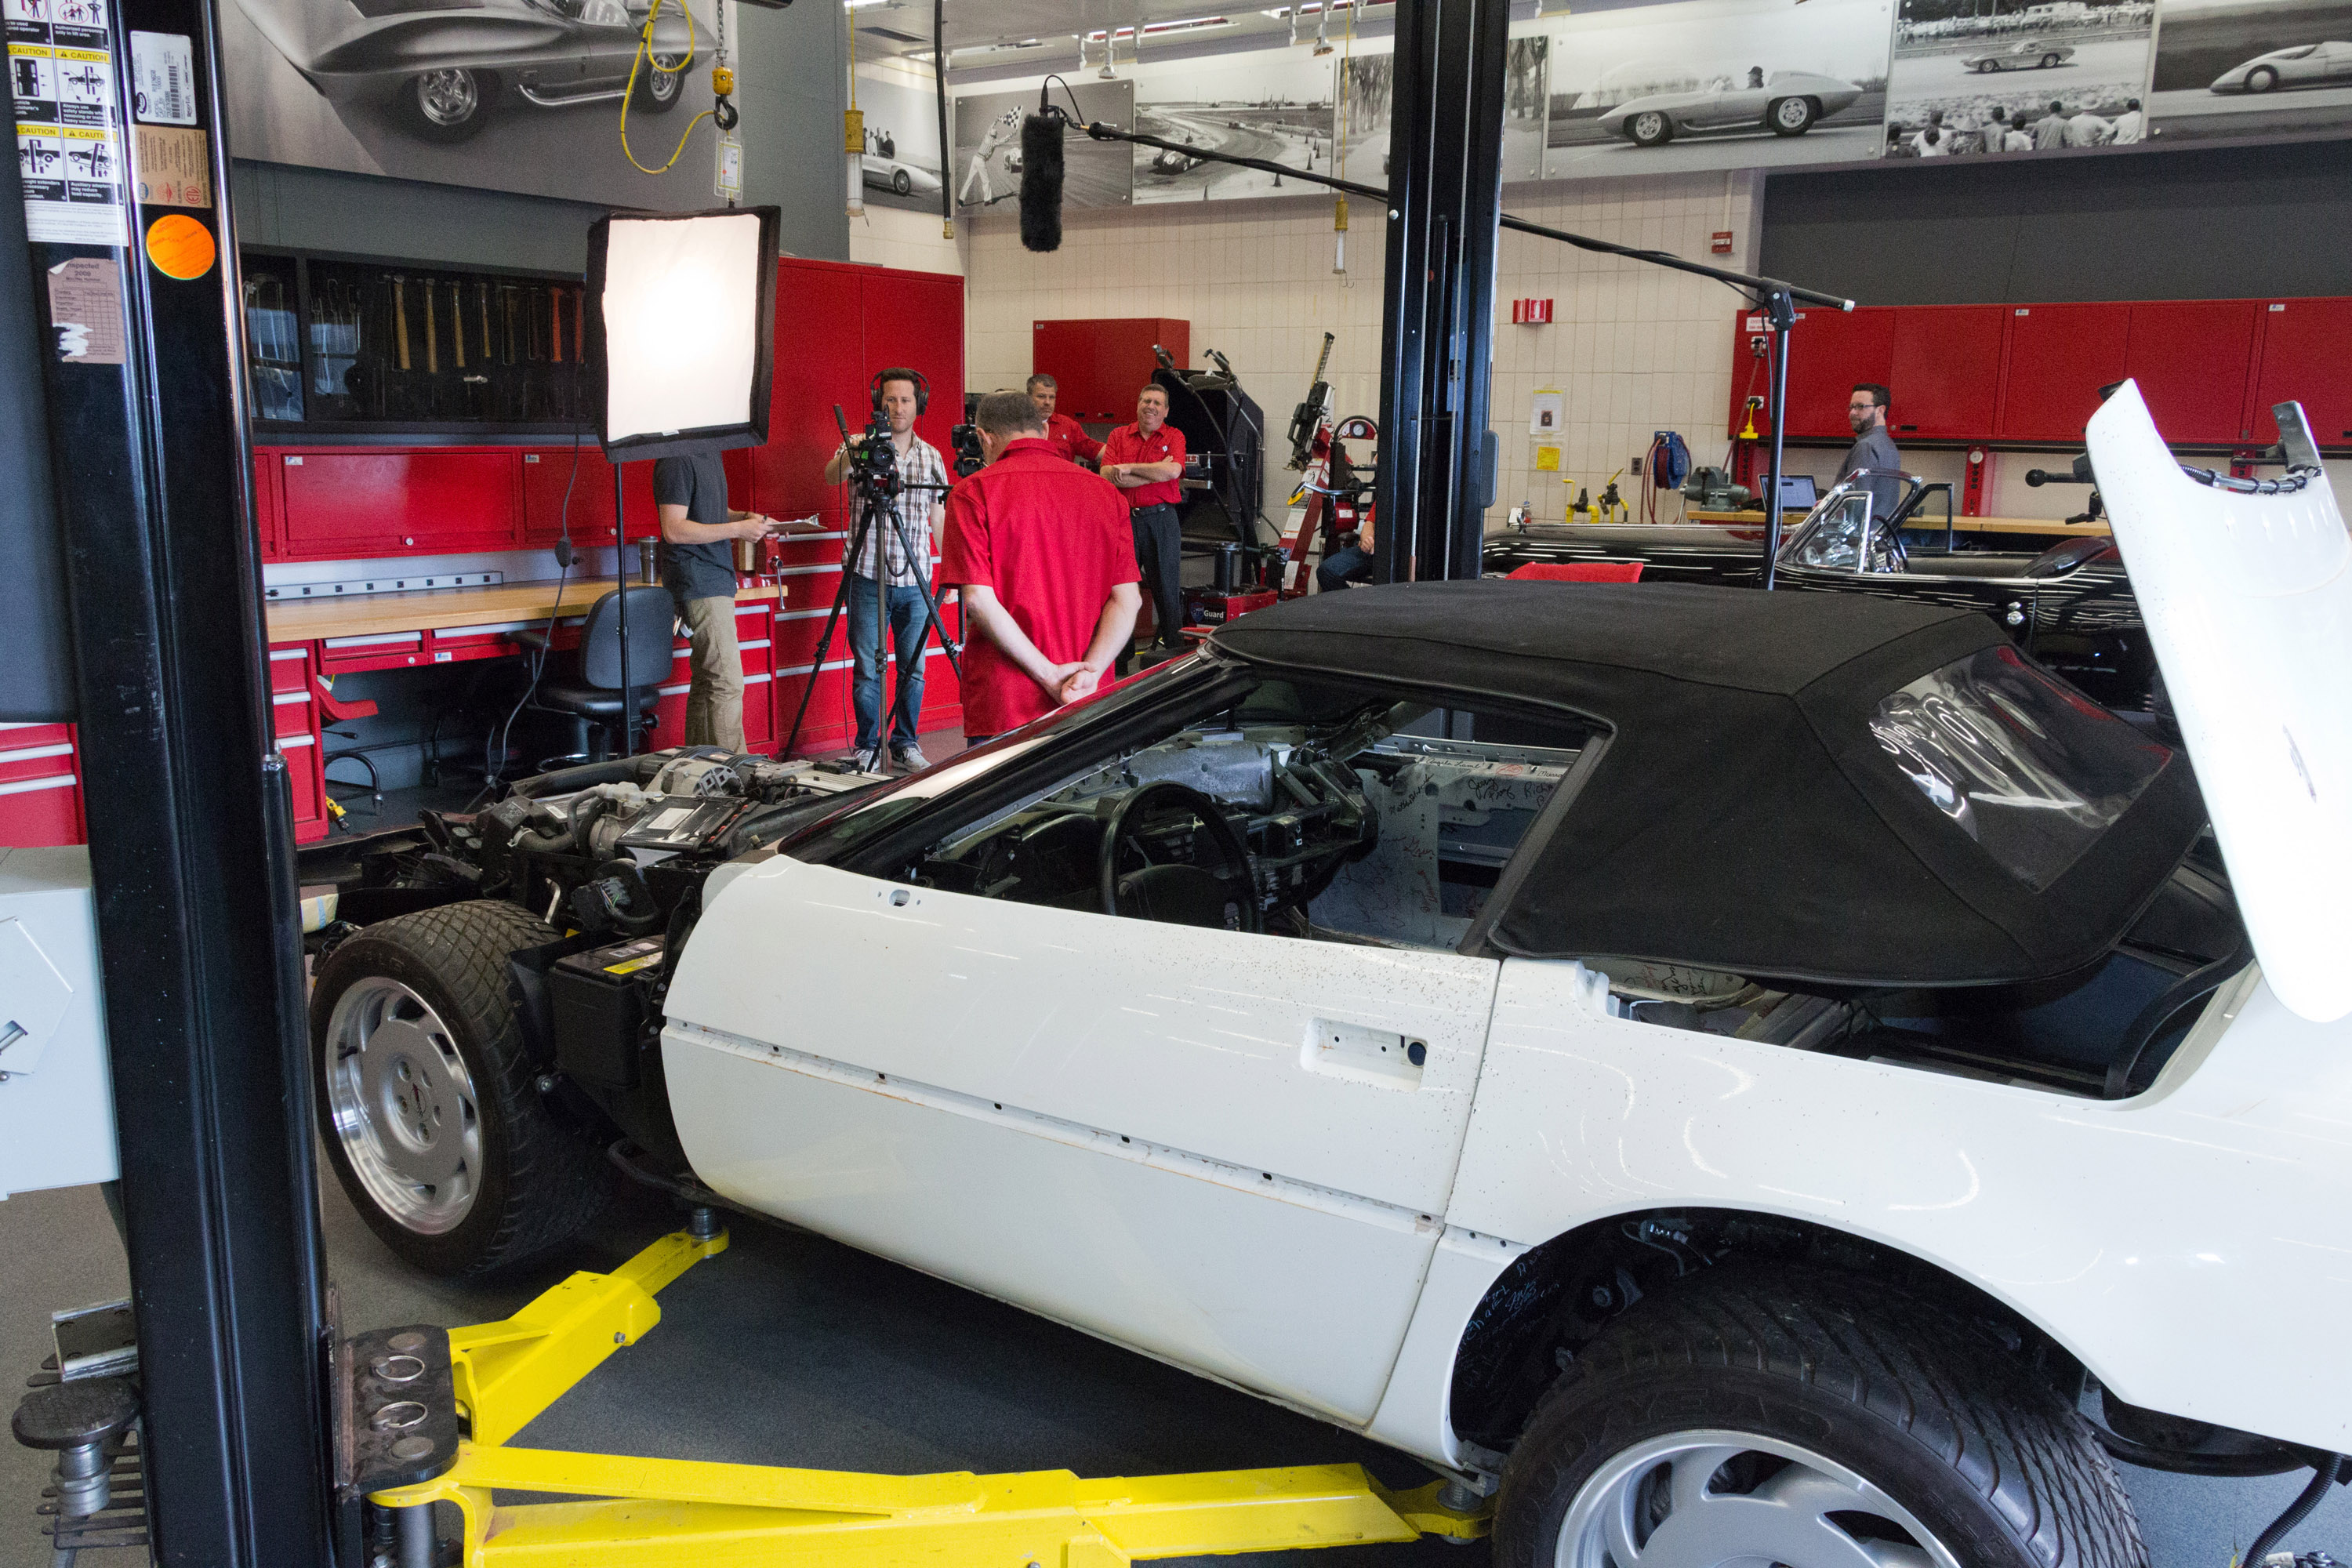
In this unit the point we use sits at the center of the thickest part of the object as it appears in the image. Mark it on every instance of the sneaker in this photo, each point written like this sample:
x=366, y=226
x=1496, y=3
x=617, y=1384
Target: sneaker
x=910, y=758
x=869, y=761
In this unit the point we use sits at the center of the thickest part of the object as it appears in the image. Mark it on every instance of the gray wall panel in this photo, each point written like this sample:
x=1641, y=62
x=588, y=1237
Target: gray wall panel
x=2208, y=224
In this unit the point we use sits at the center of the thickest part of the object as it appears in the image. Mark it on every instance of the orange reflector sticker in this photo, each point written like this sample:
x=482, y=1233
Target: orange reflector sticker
x=180, y=246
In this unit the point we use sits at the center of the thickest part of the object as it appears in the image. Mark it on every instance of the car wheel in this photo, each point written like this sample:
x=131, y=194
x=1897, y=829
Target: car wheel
x=428, y=1100
x=1650, y=129
x=2262, y=79
x=659, y=91
x=1791, y=116
x=2049, y=60
x=1800, y=1417
x=1986, y=67
x=901, y=183
x=448, y=105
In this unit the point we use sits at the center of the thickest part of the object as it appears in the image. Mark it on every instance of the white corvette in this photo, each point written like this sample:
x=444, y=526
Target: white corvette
x=1760, y=1078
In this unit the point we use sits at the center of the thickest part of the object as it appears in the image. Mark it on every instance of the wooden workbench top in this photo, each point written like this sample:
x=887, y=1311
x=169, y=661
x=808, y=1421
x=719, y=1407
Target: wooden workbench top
x=364, y=614
x=1959, y=524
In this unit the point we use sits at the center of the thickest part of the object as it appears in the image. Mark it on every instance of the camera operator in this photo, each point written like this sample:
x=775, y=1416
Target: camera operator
x=1041, y=552
x=1146, y=460
x=923, y=483
x=697, y=567
x=1070, y=438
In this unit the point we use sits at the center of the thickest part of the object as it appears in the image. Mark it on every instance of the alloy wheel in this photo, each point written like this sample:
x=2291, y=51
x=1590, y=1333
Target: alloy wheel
x=1732, y=1499
x=450, y=96
x=401, y=1102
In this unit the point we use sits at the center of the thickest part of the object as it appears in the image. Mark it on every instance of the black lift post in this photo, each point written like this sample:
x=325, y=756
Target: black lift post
x=1437, y=465
x=192, y=852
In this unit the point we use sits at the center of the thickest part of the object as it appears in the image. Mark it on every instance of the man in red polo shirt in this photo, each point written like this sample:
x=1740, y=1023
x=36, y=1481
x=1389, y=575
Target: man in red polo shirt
x=1145, y=460
x=1066, y=434
x=1041, y=552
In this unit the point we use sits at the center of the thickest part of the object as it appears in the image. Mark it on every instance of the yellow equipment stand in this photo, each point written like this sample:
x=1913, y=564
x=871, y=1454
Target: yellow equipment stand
x=685, y=1514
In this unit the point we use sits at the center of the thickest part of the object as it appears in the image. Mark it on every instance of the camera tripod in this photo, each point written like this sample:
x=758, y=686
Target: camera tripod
x=877, y=504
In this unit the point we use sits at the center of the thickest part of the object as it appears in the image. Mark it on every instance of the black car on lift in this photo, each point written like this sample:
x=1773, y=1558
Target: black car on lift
x=2071, y=605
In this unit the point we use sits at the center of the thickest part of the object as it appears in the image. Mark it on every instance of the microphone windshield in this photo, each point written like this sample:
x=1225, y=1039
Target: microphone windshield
x=1041, y=181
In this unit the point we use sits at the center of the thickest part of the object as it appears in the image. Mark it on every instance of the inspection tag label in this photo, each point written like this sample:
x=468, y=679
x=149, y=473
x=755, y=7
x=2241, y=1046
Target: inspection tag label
x=86, y=310
x=174, y=166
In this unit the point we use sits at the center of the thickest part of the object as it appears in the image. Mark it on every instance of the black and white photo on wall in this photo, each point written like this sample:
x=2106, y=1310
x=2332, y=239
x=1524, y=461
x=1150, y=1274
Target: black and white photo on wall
x=1716, y=84
x=986, y=164
x=506, y=95
x=902, y=137
x=1268, y=104
x=2041, y=78
x=2253, y=68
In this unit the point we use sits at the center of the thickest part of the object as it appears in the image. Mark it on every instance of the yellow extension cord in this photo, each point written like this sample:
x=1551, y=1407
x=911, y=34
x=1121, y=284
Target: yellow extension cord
x=644, y=58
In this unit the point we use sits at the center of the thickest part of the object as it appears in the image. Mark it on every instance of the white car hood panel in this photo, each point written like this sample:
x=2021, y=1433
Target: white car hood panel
x=2248, y=601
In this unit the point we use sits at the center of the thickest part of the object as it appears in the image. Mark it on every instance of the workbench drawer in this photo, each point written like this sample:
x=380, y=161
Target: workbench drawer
x=307, y=786
x=758, y=652
x=759, y=711
x=378, y=650
x=449, y=645
x=35, y=752
x=290, y=668
x=292, y=713
x=37, y=812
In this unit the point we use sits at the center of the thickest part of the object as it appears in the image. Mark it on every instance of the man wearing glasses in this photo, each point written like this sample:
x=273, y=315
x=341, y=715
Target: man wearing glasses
x=1873, y=449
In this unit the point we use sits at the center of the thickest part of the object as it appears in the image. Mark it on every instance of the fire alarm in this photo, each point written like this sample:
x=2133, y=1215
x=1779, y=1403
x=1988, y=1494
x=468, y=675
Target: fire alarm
x=1530, y=313
x=1720, y=242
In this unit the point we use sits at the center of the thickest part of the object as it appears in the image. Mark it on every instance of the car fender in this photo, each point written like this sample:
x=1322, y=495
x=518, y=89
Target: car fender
x=2190, y=1246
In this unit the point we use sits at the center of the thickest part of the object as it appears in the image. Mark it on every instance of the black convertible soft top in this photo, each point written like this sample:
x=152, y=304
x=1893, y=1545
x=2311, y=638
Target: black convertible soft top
x=1742, y=814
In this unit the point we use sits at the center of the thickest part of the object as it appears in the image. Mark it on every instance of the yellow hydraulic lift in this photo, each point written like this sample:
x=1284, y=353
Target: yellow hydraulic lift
x=429, y=1412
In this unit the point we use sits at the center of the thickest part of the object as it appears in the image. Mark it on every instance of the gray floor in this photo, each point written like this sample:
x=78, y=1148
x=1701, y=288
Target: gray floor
x=788, y=1349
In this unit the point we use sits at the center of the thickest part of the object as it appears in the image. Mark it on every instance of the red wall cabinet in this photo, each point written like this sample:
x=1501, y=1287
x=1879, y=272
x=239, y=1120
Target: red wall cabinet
x=2307, y=357
x=266, y=526
x=1098, y=365
x=2194, y=362
x=1829, y=351
x=2058, y=358
x=1946, y=371
x=368, y=503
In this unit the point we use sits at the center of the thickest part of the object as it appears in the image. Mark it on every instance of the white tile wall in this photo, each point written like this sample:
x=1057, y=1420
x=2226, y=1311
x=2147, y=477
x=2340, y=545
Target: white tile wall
x=894, y=236
x=1636, y=349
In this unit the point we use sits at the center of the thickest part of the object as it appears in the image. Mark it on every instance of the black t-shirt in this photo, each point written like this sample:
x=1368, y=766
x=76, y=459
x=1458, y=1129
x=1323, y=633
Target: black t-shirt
x=697, y=483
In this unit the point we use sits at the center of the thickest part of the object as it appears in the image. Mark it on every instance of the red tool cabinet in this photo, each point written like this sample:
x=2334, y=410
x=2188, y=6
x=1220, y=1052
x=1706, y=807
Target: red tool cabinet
x=1098, y=365
x=2029, y=375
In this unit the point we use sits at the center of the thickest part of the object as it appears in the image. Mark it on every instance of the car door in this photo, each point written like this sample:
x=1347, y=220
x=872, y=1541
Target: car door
x=1231, y=1151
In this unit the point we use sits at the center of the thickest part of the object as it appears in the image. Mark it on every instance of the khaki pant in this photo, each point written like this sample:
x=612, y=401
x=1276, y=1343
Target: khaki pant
x=714, y=703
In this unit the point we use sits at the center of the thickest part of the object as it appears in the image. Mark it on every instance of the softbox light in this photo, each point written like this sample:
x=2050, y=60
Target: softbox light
x=681, y=339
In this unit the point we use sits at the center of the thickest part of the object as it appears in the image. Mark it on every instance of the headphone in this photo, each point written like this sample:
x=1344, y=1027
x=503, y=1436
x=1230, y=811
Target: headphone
x=902, y=373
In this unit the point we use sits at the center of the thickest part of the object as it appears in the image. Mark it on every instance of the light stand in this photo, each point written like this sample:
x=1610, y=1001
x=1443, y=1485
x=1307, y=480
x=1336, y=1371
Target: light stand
x=620, y=606
x=1780, y=314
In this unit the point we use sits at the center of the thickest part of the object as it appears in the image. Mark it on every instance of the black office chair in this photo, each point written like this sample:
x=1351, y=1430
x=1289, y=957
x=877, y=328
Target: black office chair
x=591, y=690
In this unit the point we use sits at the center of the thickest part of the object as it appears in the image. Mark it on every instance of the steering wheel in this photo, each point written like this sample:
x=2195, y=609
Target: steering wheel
x=1188, y=895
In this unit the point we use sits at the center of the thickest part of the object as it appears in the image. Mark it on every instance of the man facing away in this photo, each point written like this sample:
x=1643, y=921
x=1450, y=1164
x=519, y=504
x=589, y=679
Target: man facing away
x=906, y=564
x=2131, y=125
x=1041, y=552
x=1066, y=434
x=697, y=567
x=1873, y=449
x=2049, y=130
x=1145, y=460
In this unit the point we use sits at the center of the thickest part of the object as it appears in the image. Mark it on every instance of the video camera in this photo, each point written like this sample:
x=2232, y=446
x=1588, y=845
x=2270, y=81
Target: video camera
x=873, y=462
x=969, y=456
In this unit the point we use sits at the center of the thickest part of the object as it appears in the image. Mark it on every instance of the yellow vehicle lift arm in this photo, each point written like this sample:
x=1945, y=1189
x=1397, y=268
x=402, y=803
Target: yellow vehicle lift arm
x=428, y=1412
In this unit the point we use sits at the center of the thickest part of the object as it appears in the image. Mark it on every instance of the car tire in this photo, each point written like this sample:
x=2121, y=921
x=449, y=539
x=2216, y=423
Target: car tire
x=901, y=183
x=428, y=1100
x=2262, y=79
x=1791, y=116
x=2049, y=60
x=658, y=91
x=1986, y=67
x=1650, y=129
x=1757, y=1401
x=448, y=105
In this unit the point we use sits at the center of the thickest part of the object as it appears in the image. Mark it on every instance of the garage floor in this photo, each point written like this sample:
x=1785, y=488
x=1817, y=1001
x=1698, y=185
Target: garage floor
x=788, y=1349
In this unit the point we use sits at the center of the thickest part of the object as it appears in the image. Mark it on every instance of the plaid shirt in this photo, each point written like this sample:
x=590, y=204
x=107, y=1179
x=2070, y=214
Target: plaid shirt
x=920, y=464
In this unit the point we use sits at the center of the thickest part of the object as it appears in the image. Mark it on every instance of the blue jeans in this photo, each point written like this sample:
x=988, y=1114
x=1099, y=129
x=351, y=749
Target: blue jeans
x=1332, y=573
x=909, y=628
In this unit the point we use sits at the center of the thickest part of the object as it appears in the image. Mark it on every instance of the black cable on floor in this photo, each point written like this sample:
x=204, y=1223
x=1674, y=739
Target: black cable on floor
x=2332, y=1470
x=494, y=751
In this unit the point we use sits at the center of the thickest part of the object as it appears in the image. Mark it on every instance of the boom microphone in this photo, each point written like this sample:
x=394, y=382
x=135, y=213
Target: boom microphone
x=1041, y=179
